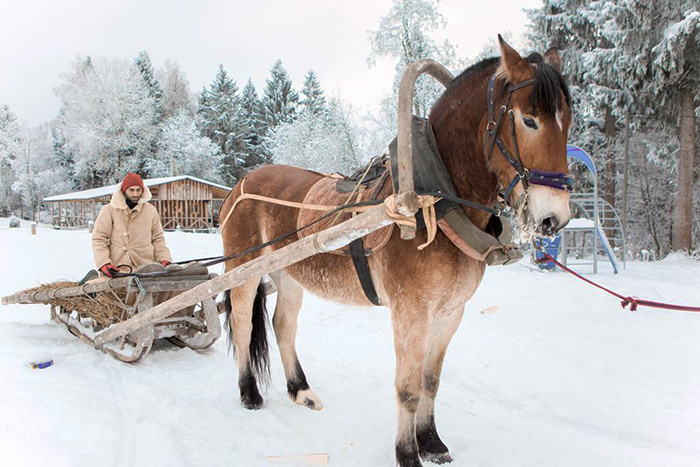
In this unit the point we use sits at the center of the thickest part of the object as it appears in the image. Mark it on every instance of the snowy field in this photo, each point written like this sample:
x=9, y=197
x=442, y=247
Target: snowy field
x=558, y=375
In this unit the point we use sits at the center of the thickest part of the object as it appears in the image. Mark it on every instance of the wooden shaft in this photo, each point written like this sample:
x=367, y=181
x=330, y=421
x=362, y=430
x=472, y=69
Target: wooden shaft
x=404, y=137
x=325, y=241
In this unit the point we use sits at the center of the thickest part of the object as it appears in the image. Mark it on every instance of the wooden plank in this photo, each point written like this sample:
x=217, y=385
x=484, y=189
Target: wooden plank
x=325, y=241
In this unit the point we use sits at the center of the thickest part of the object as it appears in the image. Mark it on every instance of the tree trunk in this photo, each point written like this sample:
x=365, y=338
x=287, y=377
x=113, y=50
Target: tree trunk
x=683, y=212
x=609, y=183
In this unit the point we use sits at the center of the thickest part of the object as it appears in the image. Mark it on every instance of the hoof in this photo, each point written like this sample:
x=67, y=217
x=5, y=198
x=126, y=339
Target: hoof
x=407, y=460
x=253, y=402
x=308, y=399
x=436, y=458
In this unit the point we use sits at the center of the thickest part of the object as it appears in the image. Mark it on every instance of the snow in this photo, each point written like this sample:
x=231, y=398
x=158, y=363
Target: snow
x=110, y=189
x=544, y=370
x=580, y=224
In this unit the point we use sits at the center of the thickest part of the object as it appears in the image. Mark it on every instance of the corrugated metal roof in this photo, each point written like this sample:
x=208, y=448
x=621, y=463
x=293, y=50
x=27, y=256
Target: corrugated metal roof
x=108, y=190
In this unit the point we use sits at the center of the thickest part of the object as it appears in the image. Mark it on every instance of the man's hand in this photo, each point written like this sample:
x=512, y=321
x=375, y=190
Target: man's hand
x=165, y=262
x=109, y=269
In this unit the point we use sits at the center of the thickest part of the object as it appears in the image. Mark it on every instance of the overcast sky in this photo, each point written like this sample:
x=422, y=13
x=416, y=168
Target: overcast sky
x=40, y=38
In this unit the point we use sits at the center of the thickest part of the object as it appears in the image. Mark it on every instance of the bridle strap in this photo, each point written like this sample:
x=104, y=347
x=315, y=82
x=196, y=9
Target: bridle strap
x=494, y=125
x=556, y=180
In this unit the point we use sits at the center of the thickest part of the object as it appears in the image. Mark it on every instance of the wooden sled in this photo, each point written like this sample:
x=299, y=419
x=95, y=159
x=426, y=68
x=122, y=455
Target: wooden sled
x=142, y=327
x=196, y=326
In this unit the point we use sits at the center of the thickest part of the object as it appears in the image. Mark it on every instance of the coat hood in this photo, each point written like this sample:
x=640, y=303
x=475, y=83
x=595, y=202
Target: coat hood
x=118, y=200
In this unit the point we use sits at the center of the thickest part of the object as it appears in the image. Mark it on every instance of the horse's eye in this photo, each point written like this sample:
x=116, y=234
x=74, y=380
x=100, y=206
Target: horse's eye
x=530, y=123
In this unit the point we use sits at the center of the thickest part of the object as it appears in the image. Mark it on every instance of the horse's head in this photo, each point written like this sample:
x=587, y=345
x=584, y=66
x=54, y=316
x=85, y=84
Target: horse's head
x=525, y=139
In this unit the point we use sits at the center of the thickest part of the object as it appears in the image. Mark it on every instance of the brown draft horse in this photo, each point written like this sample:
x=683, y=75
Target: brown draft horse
x=425, y=290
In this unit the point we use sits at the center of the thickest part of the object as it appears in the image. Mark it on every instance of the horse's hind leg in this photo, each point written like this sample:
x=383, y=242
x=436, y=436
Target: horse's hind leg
x=289, y=299
x=410, y=329
x=442, y=328
x=241, y=326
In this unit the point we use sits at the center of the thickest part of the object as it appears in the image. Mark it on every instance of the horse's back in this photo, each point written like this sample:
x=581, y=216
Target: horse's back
x=253, y=222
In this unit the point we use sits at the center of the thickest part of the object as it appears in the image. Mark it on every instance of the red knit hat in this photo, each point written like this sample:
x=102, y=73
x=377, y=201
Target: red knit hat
x=131, y=179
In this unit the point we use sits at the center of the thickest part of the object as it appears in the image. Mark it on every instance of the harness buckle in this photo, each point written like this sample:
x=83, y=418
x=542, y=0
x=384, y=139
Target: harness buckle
x=489, y=126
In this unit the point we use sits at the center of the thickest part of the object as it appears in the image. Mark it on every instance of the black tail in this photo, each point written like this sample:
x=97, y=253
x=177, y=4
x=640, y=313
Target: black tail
x=259, y=349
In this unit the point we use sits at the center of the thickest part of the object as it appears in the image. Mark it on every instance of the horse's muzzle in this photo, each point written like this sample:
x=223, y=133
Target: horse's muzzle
x=550, y=225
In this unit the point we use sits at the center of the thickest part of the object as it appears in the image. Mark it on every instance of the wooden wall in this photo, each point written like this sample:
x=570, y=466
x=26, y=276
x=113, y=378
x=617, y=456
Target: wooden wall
x=184, y=204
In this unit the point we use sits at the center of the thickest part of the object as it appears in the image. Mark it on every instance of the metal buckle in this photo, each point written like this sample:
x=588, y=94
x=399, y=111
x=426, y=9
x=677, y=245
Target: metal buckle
x=488, y=126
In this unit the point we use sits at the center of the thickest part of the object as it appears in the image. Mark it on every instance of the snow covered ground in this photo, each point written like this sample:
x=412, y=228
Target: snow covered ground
x=558, y=375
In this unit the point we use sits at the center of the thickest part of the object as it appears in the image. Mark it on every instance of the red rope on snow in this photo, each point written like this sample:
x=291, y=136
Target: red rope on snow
x=633, y=302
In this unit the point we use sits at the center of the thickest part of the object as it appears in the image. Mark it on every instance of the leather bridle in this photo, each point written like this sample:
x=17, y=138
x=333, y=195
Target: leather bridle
x=558, y=180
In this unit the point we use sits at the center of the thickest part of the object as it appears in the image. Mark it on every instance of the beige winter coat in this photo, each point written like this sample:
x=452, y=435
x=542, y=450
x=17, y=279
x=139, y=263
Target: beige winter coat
x=125, y=236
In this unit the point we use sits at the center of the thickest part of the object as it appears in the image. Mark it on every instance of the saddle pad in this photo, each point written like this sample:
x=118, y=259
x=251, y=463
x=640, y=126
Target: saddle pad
x=324, y=192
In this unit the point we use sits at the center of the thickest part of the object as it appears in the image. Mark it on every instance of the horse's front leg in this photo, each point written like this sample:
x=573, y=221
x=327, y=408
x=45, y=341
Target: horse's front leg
x=410, y=330
x=442, y=327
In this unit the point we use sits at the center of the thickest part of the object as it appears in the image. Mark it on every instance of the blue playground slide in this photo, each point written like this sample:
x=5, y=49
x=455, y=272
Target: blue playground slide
x=608, y=250
x=551, y=246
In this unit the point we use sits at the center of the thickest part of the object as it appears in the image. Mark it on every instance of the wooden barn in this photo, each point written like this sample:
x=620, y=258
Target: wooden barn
x=183, y=202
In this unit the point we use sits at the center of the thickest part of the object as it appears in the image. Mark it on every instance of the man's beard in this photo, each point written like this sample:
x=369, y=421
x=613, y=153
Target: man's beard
x=131, y=203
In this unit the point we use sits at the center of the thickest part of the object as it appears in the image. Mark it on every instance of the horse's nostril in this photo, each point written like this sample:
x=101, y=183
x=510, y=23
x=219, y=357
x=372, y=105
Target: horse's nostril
x=548, y=226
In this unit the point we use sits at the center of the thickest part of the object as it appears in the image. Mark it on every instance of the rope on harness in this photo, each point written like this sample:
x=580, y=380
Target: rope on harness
x=390, y=204
x=426, y=203
x=283, y=202
x=632, y=302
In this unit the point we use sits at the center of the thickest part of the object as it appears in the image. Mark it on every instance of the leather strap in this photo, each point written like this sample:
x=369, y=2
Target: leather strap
x=357, y=251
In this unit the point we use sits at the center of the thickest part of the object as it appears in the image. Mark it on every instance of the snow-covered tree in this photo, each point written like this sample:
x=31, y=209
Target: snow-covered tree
x=327, y=142
x=177, y=95
x=106, y=121
x=37, y=171
x=222, y=122
x=145, y=66
x=253, y=114
x=637, y=57
x=405, y=35
x=182, y=150
x=676, y=66
x=279, y=98
x=11, y=133
x=313, y=101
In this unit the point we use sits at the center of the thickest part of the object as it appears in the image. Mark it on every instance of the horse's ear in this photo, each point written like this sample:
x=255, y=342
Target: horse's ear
x=513, y=67
x=551, y=58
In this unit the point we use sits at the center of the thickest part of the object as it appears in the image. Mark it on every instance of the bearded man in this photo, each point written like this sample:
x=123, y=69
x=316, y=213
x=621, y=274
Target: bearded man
x=128, y=231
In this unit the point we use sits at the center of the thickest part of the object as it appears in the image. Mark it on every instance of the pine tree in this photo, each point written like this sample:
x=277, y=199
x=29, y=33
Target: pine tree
x=256, y=125
x=639, y=57
x=676, y=63
x=145, y=66
x=314, y=101
x=223, y=123
x=279, y=98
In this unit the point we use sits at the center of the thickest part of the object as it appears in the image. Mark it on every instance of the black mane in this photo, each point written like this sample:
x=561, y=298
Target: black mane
x=548, y=82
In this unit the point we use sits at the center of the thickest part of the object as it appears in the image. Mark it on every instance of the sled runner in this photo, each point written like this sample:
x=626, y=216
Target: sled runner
x=96, y=306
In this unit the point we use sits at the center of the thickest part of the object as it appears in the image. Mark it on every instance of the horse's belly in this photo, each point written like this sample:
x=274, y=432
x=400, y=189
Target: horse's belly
x=331, y=277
